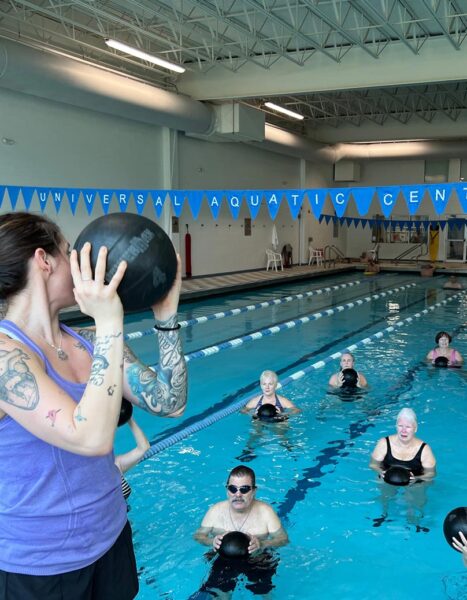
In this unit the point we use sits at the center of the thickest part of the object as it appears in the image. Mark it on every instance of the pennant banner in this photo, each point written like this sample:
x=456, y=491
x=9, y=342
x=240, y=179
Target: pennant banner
x=237, y=201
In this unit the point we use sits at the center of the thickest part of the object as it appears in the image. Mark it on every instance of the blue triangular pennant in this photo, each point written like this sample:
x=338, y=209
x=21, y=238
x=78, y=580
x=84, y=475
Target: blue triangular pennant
x=327, y=218
x=254, y=199
x=273, y=199
x=363, y=198
x=73, y=198
x=158, y=198
x=28, y=193
x=214, y=198
x=194, y=201
x=443, y=224
x=177, y=199
x=140, y=198
x=440, y=194
x=340, y=199
x=413, y=195
x=43, y=194
x=2, y=193
x=387, y=198
x=123, y=199
x=89, y=197
x=58, y=196
x=13, y=193
x=106, y=196
x=461, y=189
x=316, y=198
x=234, y=201
x=295, y=201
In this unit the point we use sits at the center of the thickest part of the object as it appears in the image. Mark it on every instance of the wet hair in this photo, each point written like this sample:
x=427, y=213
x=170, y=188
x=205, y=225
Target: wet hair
x=442, y=334
x=409, y=414
x=243, y=471
x=348, y=354
x=21, y=233
x=271, y=374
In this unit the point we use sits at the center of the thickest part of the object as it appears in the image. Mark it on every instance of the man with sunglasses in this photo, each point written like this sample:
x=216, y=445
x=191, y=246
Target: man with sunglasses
x=242, y=512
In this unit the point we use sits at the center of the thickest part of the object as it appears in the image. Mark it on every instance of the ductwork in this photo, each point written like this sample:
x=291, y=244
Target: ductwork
x=62, y=79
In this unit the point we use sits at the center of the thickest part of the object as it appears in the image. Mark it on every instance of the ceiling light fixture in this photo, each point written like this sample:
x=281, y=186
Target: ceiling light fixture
x=144, y=56
x=285, y=111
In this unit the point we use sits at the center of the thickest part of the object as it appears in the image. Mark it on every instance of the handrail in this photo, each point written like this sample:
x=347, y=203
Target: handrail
x=404, y=254
x=327, y=256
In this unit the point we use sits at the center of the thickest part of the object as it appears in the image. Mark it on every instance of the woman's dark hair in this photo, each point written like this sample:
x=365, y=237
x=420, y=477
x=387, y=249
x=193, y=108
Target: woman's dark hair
x=442, y=334
x=21, y=233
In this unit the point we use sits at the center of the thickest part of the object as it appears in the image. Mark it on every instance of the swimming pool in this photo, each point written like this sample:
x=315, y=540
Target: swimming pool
x=315, y=470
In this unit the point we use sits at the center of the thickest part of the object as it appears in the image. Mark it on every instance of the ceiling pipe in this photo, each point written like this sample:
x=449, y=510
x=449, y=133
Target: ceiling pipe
x=71, y=81
x=63, y=79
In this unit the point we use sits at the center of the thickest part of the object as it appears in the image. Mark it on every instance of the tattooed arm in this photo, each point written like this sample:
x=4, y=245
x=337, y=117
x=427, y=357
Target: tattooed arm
x=163, y=393
x=30, y=397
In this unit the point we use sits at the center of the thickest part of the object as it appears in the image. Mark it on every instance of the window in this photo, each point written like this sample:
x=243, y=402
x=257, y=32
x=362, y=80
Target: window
x=436, y=171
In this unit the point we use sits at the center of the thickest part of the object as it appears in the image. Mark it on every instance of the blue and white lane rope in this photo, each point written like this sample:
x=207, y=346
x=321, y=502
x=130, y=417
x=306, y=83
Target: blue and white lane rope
x=238, y=404
x=236, y=311
x=256, y=335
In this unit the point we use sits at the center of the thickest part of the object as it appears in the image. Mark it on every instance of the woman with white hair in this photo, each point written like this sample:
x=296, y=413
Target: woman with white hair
x=268, y=382
x=403, y=449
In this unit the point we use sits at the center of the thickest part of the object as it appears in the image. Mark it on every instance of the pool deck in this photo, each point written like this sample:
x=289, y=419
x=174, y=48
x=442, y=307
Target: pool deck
x=225, y=283
x=211, y=285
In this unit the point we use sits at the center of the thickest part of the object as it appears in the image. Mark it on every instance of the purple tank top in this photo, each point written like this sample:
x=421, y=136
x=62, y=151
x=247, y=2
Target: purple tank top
x=58, y=511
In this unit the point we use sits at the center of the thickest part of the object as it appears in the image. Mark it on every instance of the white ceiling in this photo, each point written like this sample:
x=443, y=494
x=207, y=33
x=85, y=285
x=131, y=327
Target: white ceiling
x=356, y=69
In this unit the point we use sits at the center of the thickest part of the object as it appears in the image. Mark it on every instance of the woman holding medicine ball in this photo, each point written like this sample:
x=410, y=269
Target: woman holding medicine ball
x=62, y=513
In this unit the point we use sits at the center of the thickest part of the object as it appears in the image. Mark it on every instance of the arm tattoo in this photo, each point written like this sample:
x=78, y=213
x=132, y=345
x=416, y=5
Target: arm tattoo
x=18, y=385
x=164, y=392
x=100, y=363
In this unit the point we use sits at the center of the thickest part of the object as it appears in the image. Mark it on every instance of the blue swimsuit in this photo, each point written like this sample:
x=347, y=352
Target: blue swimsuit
x=278, y=404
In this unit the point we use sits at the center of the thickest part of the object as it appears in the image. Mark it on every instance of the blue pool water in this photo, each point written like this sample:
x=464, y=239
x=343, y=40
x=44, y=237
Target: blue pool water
x=314, y=470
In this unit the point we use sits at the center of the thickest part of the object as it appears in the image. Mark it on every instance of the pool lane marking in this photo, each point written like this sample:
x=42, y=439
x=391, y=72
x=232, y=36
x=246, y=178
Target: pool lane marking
x=236, y=311
x=235, y=406
x=256, y=335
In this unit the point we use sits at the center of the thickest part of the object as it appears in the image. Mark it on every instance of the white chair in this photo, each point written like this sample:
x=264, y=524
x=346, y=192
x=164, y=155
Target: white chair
x=274, y=259
x=315, y=255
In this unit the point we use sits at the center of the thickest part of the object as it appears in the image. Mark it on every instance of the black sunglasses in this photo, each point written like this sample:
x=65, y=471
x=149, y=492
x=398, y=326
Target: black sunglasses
x=243, y=489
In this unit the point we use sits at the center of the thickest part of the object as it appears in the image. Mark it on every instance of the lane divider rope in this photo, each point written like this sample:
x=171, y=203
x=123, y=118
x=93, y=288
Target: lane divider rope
x=236, y=311
x=257, y=335
x=238, y=404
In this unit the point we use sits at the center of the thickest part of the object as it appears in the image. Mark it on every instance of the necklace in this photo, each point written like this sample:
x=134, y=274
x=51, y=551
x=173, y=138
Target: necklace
x=62, y=355
x=236, y=527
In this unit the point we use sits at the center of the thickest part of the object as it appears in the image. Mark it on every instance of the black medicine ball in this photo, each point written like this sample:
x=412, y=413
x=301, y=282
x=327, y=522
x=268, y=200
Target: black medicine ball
x=454, y=522
x=148, y=250
x=234, y=545
x=126, y=412
x=267, y=412
x=350, y=378
x=441, y=361
x=397, y=476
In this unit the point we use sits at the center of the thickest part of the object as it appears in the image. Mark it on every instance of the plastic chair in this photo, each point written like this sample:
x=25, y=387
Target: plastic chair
x=315, y=255
x=274, y=259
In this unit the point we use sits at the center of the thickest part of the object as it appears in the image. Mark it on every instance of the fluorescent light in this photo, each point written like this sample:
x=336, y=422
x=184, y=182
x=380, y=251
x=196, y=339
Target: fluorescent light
x=286, y=111
x=144, y=56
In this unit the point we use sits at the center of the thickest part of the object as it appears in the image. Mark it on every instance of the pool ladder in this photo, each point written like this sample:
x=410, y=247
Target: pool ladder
x=331, y=255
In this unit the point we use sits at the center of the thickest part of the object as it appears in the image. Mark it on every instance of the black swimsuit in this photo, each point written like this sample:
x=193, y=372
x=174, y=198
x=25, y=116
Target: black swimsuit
x=414, y=464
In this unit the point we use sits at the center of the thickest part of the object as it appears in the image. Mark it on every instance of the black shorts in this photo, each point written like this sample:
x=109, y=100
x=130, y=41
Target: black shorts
x=111, y=577
x=258, y=570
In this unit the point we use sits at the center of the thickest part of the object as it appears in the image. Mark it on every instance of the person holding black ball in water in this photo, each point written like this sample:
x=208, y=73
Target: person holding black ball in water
x=347, y=376
x=63, y=517
x=242, y=512
x=443, y=352
x=403, y=449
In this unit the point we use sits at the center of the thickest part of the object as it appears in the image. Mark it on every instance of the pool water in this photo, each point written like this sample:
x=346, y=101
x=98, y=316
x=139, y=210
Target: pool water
x=348, y=539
